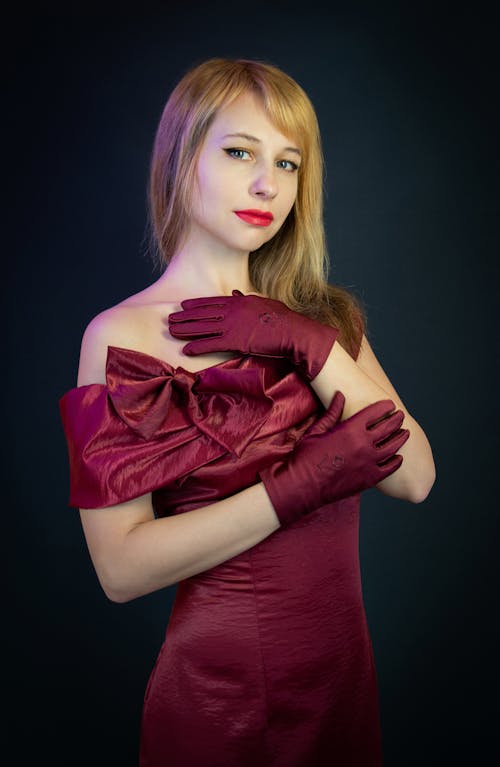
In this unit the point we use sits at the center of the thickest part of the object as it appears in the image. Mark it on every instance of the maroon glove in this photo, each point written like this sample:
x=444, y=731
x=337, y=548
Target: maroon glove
x=334, y=460
x=253, y=325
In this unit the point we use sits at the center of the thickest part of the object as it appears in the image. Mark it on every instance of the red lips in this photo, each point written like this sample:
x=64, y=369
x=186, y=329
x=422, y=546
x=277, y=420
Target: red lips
x=255, y=217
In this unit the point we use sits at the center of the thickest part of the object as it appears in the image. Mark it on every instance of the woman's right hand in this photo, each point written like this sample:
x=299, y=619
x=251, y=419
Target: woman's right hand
x=334, y=459
x=251, y=324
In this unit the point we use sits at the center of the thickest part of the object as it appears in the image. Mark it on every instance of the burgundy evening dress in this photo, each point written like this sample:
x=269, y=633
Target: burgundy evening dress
x=267, y=659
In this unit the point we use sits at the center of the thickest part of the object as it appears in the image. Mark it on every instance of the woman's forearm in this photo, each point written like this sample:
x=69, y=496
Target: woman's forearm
x=414, y=479
x=151, y=554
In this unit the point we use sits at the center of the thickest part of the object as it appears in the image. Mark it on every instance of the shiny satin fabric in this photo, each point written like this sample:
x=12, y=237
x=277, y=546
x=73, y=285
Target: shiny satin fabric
x=267, y=659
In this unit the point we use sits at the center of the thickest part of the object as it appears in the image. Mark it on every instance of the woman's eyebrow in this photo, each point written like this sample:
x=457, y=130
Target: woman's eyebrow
x=256, y=140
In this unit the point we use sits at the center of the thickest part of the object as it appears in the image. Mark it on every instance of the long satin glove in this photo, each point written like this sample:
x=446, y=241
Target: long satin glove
x=253, y=325
x=336, y=459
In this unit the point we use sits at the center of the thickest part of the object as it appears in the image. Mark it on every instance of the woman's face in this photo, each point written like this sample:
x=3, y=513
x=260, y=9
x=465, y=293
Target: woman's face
x=246, y=179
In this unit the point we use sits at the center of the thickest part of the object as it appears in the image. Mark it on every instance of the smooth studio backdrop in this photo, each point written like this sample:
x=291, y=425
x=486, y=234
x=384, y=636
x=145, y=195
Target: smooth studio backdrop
x=406, y=102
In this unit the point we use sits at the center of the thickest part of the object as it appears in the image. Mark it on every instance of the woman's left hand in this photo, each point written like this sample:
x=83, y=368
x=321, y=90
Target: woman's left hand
x=252, y=325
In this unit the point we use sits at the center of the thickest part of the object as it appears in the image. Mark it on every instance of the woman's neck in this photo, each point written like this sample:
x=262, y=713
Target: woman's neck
x=212, y=275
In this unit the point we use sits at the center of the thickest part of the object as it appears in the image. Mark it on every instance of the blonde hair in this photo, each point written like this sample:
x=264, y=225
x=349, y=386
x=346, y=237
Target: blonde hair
x=293, y=266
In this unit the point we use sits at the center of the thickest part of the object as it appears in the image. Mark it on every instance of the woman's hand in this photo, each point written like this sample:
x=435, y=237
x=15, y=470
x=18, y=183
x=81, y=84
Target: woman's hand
x=363, y=382
x=252, y=325
x=334, y=460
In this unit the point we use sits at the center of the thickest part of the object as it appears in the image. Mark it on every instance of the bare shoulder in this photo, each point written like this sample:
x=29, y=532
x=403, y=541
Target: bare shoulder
x=121, y=325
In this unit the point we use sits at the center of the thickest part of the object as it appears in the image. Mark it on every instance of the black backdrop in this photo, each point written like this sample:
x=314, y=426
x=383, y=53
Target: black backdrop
x=407, y=106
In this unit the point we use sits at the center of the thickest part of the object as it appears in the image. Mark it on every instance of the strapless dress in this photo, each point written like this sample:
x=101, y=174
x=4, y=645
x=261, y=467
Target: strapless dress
x=267, y=659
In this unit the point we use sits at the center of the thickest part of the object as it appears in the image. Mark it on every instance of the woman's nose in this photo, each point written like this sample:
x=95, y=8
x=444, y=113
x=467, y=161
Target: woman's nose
x=265, y=184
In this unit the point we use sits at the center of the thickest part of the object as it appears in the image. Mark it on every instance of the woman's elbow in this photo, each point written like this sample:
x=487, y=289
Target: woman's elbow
x=409, y=487
x=420, y=489
x=115, y=591
x=117, y=596
x=117, y=588
x=123, y=586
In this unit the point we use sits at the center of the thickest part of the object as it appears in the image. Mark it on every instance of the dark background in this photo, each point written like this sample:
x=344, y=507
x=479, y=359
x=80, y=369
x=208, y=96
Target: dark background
x=407, y=103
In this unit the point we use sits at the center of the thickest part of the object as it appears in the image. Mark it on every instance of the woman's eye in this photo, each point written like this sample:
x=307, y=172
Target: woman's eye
x=238, y=154
x=288, y=165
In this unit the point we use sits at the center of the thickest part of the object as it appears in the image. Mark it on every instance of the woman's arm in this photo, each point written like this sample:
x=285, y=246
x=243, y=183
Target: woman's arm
x=135, y=554
x=363, y=382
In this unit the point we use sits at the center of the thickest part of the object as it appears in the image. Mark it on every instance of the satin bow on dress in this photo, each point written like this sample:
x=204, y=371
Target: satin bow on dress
x=152, y=424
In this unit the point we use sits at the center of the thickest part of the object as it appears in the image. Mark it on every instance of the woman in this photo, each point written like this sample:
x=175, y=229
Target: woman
x=237, y=474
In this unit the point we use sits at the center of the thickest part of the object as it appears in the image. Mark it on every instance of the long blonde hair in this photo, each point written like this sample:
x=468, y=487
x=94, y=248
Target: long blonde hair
x=291, y=267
